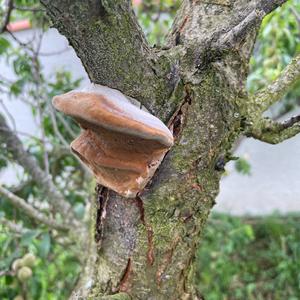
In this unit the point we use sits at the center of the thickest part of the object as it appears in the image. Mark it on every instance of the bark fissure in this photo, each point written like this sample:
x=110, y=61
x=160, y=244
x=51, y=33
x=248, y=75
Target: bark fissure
x=102, y=199
x=177, y=121
x=166, y=260
x=149, y=231
x=125, y=283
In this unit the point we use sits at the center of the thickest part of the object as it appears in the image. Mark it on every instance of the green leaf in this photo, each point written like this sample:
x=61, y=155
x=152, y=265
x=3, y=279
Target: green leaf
x=22, y=66
x=4, y=45
x=17, y=87
x=28, y=237
x=44, y=245
x=243, y=166
x=79, y=210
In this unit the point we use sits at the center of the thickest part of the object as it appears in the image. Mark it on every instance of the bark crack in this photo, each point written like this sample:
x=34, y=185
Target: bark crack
x=177, y=121
x=150, y=233
x=102, y=200
x=167, y=259
x=124, y=283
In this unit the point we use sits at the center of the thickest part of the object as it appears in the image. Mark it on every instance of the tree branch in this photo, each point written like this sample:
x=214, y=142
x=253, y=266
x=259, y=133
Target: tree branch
x=267, y=6
x=238, y=33
x=233, y=29
x=8, y=6
x=28, y=8
x=13, y=227
x=236, y=23
x=34, y=214
x=28, y=162
x=247, y=22
x=277, y=89
x=272, y=132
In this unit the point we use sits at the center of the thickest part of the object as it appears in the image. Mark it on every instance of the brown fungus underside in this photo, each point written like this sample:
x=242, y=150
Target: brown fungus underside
x=121, y=144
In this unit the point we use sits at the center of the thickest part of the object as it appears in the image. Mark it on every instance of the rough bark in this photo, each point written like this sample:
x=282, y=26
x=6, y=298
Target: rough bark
x=144, y=248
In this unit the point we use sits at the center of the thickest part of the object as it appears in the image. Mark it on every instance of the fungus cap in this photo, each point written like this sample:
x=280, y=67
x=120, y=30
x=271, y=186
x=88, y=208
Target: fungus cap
x=121, y=144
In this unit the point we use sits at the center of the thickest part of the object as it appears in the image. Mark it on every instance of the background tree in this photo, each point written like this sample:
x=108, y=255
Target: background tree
x=194, y=81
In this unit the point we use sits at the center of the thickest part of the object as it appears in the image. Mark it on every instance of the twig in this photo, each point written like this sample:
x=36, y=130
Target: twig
x=20, y=186
x=24, y=8
x=28, y=162
x=55, y=127
x=62, y=139
x=38, y=96
x=31, y=211
x=13, y=122
x=8, y=6
x=6, y=272
x=277, y=89
x=13, y=227
x=67, y=126
x=22, y=133
x=20, y=43
x=55, y=52
x=296, y=14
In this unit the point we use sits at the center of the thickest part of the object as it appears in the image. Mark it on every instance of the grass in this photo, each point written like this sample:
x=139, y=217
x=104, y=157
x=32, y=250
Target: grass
x=250, y=258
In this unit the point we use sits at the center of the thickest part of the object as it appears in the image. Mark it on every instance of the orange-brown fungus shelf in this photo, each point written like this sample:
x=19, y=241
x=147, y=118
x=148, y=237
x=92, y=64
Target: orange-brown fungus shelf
x=120, y=143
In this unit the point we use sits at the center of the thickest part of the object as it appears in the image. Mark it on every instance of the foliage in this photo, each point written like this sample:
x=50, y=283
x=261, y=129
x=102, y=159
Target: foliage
x=250, y=258
x=242, y=166
x=54, y=270
x=278, y=42
x=156, y=18
x=239, y=258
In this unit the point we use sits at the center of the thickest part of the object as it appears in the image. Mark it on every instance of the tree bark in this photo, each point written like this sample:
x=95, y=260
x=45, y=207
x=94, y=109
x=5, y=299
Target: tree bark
x=144, y=248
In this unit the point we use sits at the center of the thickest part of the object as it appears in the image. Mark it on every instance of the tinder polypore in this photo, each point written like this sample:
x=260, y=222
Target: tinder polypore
x=120, y=143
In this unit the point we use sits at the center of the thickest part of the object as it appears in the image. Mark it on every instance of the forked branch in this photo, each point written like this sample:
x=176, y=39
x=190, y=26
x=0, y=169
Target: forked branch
x=248, y=21
x=273, y=132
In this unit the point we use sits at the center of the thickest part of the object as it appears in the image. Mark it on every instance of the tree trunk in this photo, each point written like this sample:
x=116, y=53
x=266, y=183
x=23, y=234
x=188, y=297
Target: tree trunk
x=144, y=248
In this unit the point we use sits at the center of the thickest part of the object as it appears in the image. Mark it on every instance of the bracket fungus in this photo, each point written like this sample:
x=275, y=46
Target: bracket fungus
x=121, y=144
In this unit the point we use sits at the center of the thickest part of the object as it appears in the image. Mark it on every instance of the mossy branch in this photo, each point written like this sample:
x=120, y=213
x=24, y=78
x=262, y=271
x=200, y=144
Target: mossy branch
x=277, y=89
x=273, y=132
